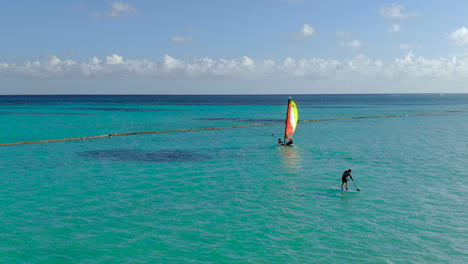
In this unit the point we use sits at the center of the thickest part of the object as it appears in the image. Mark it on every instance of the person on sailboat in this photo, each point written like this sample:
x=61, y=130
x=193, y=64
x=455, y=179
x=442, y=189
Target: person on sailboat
x=290, y=143
x=344, y=180
x=280, y=142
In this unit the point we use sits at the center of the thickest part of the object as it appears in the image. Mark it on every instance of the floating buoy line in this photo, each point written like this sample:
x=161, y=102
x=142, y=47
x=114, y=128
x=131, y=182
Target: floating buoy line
x=210, y=128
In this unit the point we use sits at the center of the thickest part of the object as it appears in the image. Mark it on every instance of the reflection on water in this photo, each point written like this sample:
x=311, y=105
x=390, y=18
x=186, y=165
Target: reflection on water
x=290, y=157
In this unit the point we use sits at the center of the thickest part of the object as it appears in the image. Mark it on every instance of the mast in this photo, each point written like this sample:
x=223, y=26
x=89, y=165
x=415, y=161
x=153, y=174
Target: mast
x=288, y=116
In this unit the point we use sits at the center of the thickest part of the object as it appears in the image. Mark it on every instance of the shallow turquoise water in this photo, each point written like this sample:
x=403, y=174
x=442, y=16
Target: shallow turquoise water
x=232, y=196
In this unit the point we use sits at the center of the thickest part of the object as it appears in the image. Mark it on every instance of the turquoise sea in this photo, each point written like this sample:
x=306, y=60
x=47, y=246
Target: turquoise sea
x=232, y=195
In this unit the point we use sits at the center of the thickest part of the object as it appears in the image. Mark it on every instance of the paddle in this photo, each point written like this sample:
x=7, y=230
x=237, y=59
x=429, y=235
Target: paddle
x=355, y=185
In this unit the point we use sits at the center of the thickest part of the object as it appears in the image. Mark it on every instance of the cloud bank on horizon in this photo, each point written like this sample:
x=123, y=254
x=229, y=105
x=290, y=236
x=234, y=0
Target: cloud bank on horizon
x=231, y=42
x=115, y=67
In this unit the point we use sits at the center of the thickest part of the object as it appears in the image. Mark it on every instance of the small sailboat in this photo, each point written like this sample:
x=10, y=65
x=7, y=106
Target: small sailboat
x=292, y=116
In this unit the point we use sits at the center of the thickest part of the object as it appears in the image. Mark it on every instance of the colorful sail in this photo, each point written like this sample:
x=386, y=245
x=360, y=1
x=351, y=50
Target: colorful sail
x=292, y=117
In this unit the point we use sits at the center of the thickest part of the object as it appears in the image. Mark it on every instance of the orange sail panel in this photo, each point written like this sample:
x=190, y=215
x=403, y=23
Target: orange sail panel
x=292, y=117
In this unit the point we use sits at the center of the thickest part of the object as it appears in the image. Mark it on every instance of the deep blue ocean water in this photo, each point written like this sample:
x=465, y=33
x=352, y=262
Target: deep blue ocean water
x=232, y=195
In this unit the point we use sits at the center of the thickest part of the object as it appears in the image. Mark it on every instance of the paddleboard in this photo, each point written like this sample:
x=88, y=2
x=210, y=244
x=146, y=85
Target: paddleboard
x=286, y=145
x=338, y=189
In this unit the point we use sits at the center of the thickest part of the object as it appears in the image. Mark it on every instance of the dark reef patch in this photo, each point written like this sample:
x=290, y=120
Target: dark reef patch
x=126, y=109
x=332, y=107
x=132, y=155
x=238, y=119
x=19, y=113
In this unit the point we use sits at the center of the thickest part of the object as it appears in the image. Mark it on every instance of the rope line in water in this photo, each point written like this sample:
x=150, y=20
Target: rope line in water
x=212, y=128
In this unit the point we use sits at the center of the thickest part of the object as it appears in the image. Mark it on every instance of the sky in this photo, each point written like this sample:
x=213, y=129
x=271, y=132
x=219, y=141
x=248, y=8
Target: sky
x=233, y=47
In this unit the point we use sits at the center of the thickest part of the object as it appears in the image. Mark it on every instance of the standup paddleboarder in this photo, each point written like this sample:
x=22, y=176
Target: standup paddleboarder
x=344, y=178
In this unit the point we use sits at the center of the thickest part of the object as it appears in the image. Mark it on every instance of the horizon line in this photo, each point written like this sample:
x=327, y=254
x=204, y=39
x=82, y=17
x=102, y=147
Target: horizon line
x=230, y=94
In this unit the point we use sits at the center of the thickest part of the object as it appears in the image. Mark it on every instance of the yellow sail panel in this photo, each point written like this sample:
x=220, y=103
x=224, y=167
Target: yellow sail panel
x=292, y=117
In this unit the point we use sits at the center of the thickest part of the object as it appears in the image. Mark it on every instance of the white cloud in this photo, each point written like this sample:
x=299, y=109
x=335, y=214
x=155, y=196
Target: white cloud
x=178, y=39
x=246, y=61
x=395, y=11
x=354, y=44
x=189, y=29
x=395, y=28
x=120, y=8
x=53, y=67
x=460, y=36
x=404, y=46
x=409, y=67
x=94, y=65
x=307, y=30
x=343, y=34
x=114, y=59
x=171, y=64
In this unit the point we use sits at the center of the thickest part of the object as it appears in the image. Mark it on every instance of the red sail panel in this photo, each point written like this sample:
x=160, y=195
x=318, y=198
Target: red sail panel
x=291, y=119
